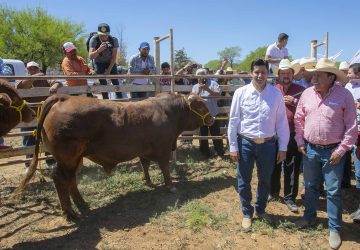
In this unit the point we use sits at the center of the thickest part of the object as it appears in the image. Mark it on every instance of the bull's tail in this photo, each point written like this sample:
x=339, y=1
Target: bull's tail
x=34, y=162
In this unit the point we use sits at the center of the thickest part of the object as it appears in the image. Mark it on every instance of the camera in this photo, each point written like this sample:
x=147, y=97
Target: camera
x=108, y=45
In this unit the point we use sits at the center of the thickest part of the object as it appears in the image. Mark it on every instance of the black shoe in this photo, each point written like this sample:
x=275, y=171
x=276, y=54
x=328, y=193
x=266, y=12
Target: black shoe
x=356, y=216
x=292, y=206
x=273, y=197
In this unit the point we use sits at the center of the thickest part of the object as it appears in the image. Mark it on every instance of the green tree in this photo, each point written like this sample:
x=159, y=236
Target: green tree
x=180, y=58
x=33, y=35
x=245, y=64
x=231, y=53
x=213, y=64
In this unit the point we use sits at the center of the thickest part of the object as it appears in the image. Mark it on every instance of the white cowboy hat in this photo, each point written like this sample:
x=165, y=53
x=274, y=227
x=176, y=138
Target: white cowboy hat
x=327, y=65
x=344, y=65
x=286, y=64
x=308, y=62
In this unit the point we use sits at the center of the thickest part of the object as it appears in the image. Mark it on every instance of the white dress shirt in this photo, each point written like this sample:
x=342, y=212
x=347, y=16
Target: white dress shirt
x=258, y=115
x=276, y=53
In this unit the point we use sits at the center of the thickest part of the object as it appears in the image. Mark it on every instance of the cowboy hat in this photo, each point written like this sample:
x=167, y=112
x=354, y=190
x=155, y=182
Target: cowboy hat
x=327, y=65
x=308, y=62
x=344, y=65
x=229, y=69
x=286, y=64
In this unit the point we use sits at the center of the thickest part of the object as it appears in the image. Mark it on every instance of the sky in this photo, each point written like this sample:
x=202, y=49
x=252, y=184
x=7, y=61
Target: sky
x=205, y=27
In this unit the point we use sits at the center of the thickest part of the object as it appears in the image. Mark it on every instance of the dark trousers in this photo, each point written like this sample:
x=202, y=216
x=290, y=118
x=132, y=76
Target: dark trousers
x=291, y=168
x=100, y=68
x=29, y=140
x=218, y=144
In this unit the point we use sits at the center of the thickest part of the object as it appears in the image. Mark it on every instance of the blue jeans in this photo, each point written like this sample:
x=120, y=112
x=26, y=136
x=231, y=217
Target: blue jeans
x=100, y=68
x=357, y=169
x=1, y=140
x=264, y=156
x=317, y=169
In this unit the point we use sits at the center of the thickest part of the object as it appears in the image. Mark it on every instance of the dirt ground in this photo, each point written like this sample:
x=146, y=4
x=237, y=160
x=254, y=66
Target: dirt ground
x=125, y=214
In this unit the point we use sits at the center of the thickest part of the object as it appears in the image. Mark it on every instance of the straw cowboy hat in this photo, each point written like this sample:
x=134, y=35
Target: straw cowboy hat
x=286, y=64
x=344, y=65
x=229, y=69
x=308, y=62
x=327, y=65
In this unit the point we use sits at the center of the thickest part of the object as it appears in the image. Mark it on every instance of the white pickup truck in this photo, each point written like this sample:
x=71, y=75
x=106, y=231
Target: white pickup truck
x=17, y=67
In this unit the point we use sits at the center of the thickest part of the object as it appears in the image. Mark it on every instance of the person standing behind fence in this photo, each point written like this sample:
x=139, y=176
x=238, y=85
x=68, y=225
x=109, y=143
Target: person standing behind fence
x=291, y=165
x=33, y=69
x=165, y=70
x=277, y=51
x=141, y=64
x=209, y=88
x=354, y=87
x=103, y=50
x=325, y=125
x=74, y=65
x=257, y=116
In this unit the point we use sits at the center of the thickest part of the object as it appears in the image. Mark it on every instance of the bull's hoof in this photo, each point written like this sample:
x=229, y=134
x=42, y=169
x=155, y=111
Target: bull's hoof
x=150, y=184
x=72, y=217
x=84, y=209
x=173, y=189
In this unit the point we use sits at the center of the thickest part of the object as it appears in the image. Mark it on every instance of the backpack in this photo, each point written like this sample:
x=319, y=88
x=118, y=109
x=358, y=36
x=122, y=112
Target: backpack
x=98, y=42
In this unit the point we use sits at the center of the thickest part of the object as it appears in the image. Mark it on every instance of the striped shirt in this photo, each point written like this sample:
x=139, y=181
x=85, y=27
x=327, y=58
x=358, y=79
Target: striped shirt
x=327, y=120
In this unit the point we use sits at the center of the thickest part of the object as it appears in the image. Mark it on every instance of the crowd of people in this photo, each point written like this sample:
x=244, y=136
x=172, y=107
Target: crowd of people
x=307, y=122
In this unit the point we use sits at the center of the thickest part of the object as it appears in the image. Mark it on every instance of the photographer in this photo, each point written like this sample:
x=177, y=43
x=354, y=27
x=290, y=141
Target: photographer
x=103, y=50
x=141, y=64
x=209, y=88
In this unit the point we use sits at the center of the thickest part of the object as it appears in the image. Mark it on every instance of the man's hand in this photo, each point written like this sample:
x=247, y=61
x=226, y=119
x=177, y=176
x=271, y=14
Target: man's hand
x=107, y=71
x=234, y=156
x=92, y=72
x=146, y=72
x=302, y=150
x=54, y=88
x=102, y=47
x=288, y=99
x=203, y=86
x=281, y=156
x=334, y=158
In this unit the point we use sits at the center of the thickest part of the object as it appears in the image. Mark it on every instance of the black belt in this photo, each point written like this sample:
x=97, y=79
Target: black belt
x=256, y=140
x=319, y=146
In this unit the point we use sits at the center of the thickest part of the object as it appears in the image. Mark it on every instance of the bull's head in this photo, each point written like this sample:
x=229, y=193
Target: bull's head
x=198, y=106
x=13, y=109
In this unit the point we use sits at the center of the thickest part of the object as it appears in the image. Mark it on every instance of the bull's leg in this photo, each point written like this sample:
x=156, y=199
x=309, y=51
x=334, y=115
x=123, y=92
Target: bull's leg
x=145, y=164
x=76, y=196
x=62, y=184
x=165, y=169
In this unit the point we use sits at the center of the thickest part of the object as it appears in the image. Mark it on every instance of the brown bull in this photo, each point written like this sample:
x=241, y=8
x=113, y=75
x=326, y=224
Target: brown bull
x=13, y=109
x=108, y=133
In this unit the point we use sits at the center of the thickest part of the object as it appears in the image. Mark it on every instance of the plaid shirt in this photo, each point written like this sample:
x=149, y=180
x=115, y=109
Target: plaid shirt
x=135, y=66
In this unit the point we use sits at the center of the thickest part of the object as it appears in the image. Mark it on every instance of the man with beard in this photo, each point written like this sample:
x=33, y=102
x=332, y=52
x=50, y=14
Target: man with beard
x=291, y=166
x=257, y=116
x=74, y=65
x=141, y=64
x=325, y=125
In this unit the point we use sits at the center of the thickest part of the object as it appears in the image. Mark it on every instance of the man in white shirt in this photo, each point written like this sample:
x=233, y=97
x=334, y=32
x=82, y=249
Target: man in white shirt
x=257, y=117
x=277, y=51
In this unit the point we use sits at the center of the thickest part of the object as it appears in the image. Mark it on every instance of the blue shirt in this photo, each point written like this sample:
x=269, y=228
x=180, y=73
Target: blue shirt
x=5, y=70
x=211, y=104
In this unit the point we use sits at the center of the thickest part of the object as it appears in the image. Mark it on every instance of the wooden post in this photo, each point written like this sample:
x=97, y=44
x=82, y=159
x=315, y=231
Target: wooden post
x=172, y=60
x=313, y=52
x=326, y=44
x=157, y=63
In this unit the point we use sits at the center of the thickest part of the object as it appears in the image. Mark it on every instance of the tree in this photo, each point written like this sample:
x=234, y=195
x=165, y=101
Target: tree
x=33, y=35
x=245, y=64
x=121, y=55
x=180, y=58
x=230, y=53
x=213, y=64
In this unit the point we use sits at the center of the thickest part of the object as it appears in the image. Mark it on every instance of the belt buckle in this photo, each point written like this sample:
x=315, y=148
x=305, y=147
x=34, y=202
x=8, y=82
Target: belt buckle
x=259, y=140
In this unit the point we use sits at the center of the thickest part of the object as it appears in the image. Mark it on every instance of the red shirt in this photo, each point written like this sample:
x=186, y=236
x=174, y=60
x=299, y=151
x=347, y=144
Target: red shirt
x=295, y=91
